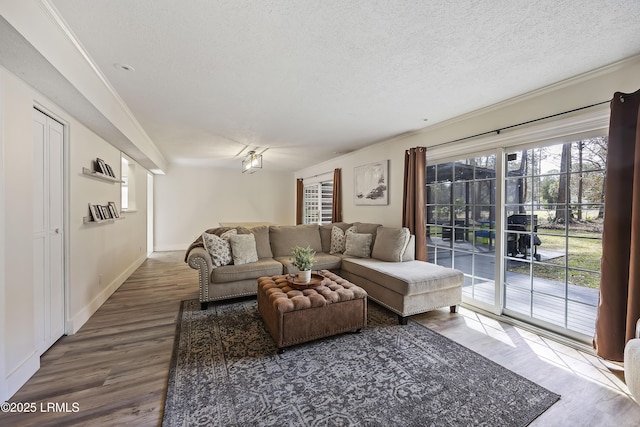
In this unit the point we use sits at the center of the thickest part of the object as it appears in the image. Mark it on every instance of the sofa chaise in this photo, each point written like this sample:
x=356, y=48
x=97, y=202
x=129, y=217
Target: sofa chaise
x=381, y=260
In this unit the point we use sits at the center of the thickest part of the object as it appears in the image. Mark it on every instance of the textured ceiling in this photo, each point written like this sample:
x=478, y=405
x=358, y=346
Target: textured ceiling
x=309, y=79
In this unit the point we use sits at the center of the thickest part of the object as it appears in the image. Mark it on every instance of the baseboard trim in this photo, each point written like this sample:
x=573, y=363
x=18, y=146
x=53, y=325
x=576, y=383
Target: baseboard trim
x=20, y=375
x=76, y=322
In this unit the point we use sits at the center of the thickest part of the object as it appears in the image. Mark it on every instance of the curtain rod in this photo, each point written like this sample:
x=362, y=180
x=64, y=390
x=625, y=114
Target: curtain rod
x=317, y=175
x=497, y=131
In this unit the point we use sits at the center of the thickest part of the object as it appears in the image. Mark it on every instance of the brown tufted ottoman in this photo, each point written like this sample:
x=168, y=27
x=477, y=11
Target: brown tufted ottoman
x=295, y=316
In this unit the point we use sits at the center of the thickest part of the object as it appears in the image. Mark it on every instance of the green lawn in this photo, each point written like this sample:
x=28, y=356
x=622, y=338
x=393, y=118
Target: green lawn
x=584, y=253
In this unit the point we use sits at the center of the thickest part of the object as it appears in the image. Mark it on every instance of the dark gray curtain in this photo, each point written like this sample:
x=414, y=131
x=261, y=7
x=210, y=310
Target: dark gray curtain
x=619, y=306
x=413, y=200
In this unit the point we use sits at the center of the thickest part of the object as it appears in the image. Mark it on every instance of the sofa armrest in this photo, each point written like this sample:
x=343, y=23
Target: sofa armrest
x=200, y=260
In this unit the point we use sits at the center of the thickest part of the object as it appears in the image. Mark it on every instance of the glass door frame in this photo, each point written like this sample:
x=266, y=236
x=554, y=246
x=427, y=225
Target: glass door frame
x=530, y=320
x=498, y=249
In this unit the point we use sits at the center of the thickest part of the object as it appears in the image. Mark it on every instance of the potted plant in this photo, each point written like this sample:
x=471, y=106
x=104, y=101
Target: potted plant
x=303, y=261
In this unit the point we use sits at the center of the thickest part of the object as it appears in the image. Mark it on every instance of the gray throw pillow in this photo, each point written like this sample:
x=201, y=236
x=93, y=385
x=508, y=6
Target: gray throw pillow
x=358, y=245
x=390, y=244
x=218, y=247
x=243, y=248
x=339, y=239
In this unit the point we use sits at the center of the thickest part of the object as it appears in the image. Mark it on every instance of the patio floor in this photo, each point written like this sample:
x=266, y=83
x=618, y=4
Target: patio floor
x=573, y=307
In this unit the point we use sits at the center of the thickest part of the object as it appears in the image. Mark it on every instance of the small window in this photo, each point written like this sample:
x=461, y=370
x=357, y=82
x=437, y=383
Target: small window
x=318, y=202
x=128, y=196
x=125, y=184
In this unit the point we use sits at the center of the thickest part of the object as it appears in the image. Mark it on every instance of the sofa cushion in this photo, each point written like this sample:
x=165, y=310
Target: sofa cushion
x=390, y=243
x=283, y=238
x=321, y=261
x=358, y=245
x=263, y=246
x=339, y=239
x=368, y=228
x=406, y=278
x=243, y=248
x=218, y=247
x=325, y=234
x=232, y=273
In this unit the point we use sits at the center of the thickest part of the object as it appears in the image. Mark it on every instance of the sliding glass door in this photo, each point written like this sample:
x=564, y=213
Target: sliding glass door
x=461, y=223
x=540, y=209
x=553, y=215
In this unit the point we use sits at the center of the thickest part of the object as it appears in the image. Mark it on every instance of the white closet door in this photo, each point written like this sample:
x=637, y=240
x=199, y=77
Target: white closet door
x=48, y=241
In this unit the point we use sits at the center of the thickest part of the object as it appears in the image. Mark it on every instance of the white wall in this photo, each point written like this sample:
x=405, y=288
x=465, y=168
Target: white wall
x=188, y=200
x=381, y=214
x=18, y=305
x=110, y=250
x=102, y=255
x=3, y=376
x=593, y=87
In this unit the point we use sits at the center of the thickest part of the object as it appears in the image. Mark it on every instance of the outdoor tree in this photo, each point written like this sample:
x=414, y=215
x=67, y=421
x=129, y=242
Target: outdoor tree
x=592, y=168
x=549, y=189
x=564, y=189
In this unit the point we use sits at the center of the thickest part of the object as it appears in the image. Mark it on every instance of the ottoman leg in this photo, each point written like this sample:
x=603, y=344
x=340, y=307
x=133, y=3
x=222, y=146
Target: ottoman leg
x=403, y=319
x=204, y=305
x=453, y=308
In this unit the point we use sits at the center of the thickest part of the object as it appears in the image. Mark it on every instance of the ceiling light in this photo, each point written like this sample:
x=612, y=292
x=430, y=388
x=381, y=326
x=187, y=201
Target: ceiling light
x=252, y=162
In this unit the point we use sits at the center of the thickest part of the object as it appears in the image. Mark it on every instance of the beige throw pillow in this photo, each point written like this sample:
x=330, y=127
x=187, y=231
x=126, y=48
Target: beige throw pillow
x=339, y=239
x=218, y=247
x=263, y=246
x=390, y=243
x=358, y=245
x=243, y=249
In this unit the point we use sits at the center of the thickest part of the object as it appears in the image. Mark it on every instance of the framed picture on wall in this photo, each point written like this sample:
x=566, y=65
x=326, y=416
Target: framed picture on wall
x=109, y=170
x=96, y=215
x=105, y=212
x=371, y=186
x=102, y=166
x=114, y=210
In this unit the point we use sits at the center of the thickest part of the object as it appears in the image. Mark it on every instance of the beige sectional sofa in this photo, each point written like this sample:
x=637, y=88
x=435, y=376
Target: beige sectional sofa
x=379, y=259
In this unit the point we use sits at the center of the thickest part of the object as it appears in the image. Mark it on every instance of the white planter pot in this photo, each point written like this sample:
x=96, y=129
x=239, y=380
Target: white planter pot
x=304, y=276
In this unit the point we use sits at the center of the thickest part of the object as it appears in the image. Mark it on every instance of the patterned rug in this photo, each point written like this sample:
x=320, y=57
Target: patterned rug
x=225, y=371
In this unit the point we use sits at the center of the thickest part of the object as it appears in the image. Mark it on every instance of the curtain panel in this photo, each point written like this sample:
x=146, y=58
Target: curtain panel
x=413, y=200
x=336, y=201
x=299, y=200
x=619, y=305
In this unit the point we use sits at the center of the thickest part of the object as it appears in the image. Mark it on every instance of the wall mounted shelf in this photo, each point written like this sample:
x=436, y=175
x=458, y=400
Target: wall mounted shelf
x=88, y=220
x=99, y=175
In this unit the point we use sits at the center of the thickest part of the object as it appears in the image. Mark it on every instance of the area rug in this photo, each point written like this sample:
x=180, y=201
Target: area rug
x=226, y=371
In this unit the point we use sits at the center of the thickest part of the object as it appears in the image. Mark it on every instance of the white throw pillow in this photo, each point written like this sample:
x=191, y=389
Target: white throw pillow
x=218, y=247
x=358, y=245
x=339, y=239
x=243, y=248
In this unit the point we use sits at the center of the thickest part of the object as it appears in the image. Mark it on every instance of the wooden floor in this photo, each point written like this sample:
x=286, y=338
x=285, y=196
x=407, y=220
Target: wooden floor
x=115, y=368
